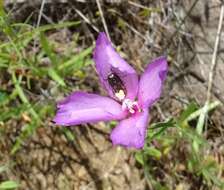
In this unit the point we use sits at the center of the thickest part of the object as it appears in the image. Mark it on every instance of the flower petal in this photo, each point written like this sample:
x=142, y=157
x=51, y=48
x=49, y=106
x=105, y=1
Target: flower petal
x=131, y=132
x=80, y=107
x=109, y=61
x=150, y=85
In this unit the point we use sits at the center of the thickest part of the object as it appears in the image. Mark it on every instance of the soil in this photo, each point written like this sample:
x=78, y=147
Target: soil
x=49, y=160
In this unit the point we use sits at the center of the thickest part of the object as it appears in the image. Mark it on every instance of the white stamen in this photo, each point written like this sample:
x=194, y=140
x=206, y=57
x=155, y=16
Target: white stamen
x=130, y=105
x=120, y=95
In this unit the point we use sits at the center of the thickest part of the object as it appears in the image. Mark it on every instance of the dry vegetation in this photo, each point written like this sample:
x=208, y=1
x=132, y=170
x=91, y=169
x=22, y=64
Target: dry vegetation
x=34, y=76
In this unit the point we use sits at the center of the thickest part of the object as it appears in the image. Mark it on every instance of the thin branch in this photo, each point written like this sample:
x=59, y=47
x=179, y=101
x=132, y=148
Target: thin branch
x=143, y=7
x=214, y=56
x=39, y=19
x=86, y=19
x=40, y=13
x=103, y=19
x=202, y=117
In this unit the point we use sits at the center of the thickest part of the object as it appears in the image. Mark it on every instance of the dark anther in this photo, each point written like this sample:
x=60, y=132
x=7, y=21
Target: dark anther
x=116, y=83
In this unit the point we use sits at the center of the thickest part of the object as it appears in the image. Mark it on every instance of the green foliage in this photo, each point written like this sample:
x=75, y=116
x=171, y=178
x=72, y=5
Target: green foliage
x=76, y=62
x=139, y=157
x=191, y=108
x=8, y=185
x=162, y=137
x=22, y=51
x=54, y=60
x=158, y=128
x=68, y=134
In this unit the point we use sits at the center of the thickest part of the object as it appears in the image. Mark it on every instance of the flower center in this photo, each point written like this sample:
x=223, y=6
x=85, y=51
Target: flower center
x=131, y=106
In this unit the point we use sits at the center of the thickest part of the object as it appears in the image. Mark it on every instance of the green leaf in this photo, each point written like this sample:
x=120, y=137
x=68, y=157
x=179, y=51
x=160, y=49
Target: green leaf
x=12, y=113
x=151, y=151
x=54, y=75
x=33, y=32
x=2, y=12
x=3, y=96
x=192, y=107
x=121, y=24
x=202, y=113
x=23, y=96
x=48, y=49
x=47, y=27
x=197, y=113
x=8, y=185
x=68, y=134
x=169, y=123
x=77, y=61
x=191, y=136
x=139, y=158
x=161, y=126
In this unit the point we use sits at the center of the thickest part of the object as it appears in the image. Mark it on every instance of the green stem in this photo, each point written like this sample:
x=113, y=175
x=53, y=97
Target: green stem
x=23, y=97
x=197, y=113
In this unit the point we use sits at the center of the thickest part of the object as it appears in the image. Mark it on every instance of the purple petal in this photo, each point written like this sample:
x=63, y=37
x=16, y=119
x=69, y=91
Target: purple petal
x=131, y=132
x=80, y=107
x=150, y=85
x=109, y=61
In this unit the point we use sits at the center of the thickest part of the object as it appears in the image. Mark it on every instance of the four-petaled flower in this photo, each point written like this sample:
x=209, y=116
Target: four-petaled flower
x=129, y=101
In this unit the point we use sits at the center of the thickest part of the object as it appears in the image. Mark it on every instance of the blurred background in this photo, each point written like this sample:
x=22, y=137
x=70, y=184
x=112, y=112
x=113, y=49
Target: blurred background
x=46, y=53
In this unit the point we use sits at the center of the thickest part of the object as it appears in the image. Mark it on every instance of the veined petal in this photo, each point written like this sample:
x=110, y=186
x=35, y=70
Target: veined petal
x=151, y=81
x=131, y=132
x=81, y=107
x=108, y=61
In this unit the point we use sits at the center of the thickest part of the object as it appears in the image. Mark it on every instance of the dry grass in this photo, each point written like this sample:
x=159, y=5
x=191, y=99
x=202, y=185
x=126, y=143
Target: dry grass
x=50, y=157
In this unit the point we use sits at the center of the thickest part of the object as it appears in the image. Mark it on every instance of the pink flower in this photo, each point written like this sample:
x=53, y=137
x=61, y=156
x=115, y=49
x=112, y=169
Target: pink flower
x=129, y=101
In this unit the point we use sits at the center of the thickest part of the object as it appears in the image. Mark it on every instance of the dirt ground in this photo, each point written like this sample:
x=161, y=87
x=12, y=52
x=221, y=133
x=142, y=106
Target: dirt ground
x=186, y=31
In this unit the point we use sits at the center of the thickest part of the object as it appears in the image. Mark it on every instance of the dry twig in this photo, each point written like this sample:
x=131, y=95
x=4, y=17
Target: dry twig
x=214, y=56
x=86, y=19
x=103, y=19
x=211, y=73
x=39, y=19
